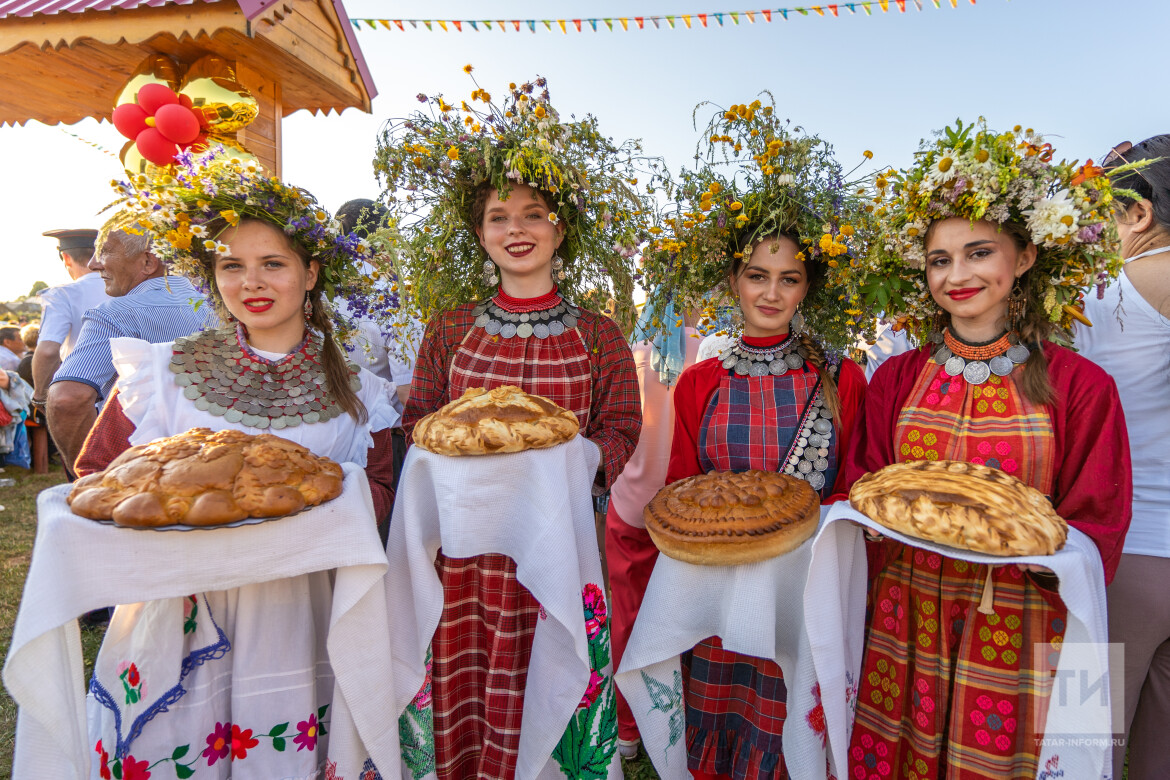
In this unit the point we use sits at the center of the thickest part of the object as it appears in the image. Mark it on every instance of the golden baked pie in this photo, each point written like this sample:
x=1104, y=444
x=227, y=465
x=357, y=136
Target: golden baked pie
x=963, y=505
x=486, y=422
x=725, y=518
x=202, y=478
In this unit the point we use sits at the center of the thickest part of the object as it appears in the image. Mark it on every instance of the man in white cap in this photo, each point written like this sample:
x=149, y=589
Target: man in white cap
x=63, y=307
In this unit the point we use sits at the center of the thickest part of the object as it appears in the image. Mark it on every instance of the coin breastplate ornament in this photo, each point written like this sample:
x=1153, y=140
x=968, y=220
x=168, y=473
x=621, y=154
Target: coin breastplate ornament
x=542, y=323
x=222, y=376
x=808, y=457
x=977, y=362
x=747, y=360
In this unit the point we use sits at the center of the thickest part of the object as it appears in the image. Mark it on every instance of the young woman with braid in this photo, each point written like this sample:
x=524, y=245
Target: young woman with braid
x=730, y=420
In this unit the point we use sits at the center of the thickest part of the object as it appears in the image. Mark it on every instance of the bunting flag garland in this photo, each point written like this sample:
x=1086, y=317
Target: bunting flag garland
x=586, y=25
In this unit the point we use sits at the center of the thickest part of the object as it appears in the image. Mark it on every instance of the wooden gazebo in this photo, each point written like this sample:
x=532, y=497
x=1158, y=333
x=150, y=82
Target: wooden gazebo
x=64, y=60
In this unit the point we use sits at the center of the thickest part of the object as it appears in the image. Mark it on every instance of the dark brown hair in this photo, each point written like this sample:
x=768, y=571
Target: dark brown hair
x=333, y=360
x=1151, y=182
x=1034, y=329
x=814, y=271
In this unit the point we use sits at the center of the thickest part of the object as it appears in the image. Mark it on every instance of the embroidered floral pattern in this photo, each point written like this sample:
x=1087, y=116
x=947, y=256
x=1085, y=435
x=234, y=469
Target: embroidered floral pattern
x=586, y=749
x=1051, y=769
x=369, y=771
x=242, y=742
x=219, y=743
x=128, y=768
x=306, y=738
x=190, y=613
x=816, y=716
x=416, y=731
x=131, y=682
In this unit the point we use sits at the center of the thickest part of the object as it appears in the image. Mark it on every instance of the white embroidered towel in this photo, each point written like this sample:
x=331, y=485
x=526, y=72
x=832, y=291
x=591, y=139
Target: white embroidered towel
x=756, y=609
x=535, y=507
x=1077, y=738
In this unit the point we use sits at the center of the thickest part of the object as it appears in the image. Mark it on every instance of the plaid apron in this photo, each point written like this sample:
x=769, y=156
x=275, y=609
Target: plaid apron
x=947, y=691
x=482, y=646
x=736, y=704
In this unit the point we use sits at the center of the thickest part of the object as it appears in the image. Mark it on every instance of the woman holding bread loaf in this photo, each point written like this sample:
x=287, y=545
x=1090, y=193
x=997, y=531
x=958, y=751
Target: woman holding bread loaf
x=523, y=220
x=777, y=399
x=995, y=242
x=217, y=671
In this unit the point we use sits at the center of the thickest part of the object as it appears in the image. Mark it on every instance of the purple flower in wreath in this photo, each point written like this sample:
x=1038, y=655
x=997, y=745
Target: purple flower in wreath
x=219, y=743
x=594, y=609
x=592, y=691
x=306, y=738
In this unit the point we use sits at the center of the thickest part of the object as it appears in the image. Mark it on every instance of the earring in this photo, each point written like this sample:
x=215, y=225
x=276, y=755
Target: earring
x=796, y=324
x=1017, y=307
x=558, y=273
x=308, y=308
x=491, y=276
x=938, y=325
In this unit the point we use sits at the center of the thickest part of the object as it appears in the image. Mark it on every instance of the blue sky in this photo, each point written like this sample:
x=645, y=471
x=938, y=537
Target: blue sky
x=1088, y=74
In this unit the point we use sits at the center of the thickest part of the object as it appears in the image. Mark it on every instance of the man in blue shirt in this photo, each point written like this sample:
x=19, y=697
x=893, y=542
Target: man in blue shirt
x=145, y=304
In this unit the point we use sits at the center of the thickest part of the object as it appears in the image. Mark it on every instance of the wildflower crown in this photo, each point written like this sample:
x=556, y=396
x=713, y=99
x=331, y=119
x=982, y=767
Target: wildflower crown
x=433, y=165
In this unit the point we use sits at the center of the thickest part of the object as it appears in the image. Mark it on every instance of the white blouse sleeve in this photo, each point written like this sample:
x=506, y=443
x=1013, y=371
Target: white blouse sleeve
x=381, y=414
x=141, y=368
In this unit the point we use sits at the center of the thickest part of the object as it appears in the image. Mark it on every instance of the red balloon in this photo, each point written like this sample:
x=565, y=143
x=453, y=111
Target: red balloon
x=176, y=123
x=185, y=100
x=130, y=119
x=155, y=148
x=152, y=96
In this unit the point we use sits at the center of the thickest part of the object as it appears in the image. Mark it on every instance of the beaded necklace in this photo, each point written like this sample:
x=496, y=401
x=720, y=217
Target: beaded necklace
x=977, y=362
x=777, y=360
x=507, y=317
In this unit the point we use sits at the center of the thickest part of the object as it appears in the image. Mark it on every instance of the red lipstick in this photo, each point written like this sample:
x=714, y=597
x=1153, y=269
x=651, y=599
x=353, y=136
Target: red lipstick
x=963, y=293
x=258, y=305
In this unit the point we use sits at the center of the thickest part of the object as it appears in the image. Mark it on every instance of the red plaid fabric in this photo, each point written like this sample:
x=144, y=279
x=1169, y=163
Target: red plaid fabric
x=556, y=368
x=480, y=665
x=615, y=405
x=110, y=437
x=736, y=706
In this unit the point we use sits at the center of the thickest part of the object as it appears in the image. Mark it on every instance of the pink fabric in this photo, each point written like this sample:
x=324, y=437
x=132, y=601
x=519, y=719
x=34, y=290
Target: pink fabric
x=645, y=472
x=629, y=556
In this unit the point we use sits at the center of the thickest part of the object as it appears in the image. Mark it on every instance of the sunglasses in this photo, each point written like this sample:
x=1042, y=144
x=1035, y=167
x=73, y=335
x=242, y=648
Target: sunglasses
x=1116, y=156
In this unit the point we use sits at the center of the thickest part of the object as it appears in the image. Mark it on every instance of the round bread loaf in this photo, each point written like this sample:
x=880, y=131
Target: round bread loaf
x=201, y=478
x=963, y=505
x=726, y=518
x=487, y=422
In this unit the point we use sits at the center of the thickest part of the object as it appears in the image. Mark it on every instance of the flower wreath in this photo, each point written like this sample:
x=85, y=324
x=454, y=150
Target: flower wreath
x=432, y=165
x=786, y=181
x=187, y=209
x=974, y=173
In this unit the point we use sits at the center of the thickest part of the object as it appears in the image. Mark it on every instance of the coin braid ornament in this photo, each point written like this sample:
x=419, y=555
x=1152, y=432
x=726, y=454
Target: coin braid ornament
x=747, y=360
x=500, y=319
x=224, y=377
x=977, y=362
x=808, y=455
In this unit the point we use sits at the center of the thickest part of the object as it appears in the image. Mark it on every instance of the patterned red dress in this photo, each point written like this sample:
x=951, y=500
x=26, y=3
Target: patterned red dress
x=736, y=704
x=482, y=646
x=947, y=691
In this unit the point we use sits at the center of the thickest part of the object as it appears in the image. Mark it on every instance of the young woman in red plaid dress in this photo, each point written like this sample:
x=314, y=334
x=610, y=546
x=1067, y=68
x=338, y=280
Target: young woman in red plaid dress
x=578, y=359
x=949, y=689
x=730, y=420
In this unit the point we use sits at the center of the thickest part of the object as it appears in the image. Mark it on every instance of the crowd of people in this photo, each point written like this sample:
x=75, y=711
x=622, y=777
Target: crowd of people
x=985, y=260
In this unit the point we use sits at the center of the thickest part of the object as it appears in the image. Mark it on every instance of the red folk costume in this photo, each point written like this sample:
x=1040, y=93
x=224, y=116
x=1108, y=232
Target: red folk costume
x=736, y=704
x=482, y=646
x=945, y=690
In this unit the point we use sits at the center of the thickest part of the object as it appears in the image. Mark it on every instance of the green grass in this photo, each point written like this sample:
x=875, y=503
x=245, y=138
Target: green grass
x=18, y=527
x=639, y=767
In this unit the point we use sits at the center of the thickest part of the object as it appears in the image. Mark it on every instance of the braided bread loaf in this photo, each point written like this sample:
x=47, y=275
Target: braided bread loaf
x=202, y=478
x=726, y=518
x=486, y=422
x=963, y=505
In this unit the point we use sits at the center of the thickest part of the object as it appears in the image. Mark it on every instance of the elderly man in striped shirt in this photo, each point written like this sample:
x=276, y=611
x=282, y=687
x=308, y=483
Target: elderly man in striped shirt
x=145, y=304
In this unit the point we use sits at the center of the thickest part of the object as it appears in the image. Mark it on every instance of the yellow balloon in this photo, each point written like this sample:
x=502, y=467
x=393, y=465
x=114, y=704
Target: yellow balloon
x=211, y=84
x=155, y=69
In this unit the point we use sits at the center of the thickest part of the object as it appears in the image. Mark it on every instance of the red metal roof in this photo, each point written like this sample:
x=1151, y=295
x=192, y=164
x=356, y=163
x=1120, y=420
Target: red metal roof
x=251, y=8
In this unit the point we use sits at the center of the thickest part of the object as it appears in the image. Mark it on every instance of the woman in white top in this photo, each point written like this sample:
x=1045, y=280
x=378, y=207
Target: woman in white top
x=235, y=683
x=1130, y=338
